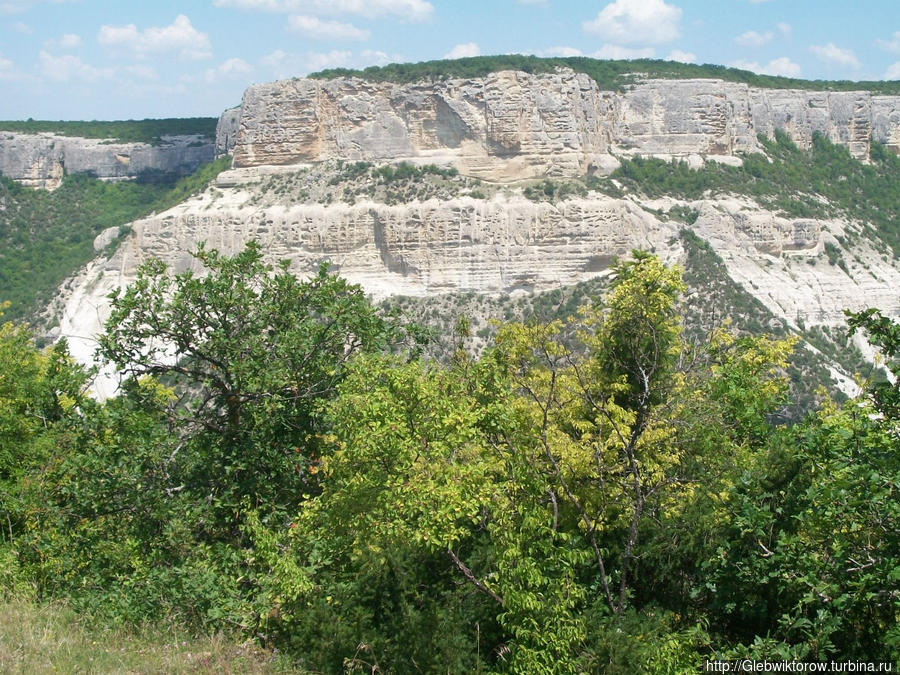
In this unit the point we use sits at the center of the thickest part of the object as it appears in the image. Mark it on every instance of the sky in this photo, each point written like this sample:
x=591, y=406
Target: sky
x=133, y=59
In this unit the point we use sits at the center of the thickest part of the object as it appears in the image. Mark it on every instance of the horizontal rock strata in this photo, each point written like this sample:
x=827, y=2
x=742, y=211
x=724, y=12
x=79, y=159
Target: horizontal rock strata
x=41, y=160
x=514, y=125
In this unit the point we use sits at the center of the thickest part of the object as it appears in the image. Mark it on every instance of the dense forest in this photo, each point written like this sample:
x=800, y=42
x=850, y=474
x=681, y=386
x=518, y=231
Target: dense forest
x=610, y=75
x=595, y=494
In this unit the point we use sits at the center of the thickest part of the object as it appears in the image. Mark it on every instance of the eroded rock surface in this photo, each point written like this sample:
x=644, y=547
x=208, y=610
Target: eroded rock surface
x=41, y=160
x=514, y=125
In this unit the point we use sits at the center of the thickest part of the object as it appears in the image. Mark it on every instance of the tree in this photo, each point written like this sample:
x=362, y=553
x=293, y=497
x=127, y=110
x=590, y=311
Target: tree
x=252, y=353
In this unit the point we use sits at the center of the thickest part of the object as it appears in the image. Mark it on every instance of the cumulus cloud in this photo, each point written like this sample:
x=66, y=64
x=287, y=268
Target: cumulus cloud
x=681, y=56
x=463, y=50
x=781, y=66
x=560, y=51
x=831, y=53
x=23, y=28
x=619, y=52
x=316, y=29
x=892, y=45
x=411, y=10
x=232, y=69
x=67, y=41
x=893, y=71
x=69, y=68
x=70, y=41
x=752, y=38
x=281, y=64
x=784, y=28
x=7, y=69
x=180, y=38
x=629, y=22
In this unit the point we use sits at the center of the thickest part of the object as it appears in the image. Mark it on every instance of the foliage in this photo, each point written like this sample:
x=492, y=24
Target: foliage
x=252, y=352
x=125, y=131
x=883, y=333
x=46, y=236
x=609, y=75
x=823, y=182
x=588, y=494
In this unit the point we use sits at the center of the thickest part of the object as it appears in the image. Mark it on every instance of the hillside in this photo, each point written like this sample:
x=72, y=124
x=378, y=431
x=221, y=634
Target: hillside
x=45, y=237
x=499, y=371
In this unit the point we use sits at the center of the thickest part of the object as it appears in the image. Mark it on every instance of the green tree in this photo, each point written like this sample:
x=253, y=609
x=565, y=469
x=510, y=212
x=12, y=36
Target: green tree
x=252, y=353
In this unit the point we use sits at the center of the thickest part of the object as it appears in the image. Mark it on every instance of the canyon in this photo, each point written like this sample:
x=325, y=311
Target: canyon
x=499, y=134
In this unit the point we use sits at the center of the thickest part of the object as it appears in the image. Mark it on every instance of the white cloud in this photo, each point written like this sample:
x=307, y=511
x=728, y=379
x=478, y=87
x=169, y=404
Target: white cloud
x=629, y=22
x=232, y=69
x=70, y=41
x=67, y=41
x=893, y=72
x=374, y=57
x=7, y=69
x=142, y=72
x=682, y=57
x=560, y=51
x=892, y=45
x=781, y=66
x=463, y=50
x=618, y=52
x=317, y=29
x=752, y=38
x=17, y=6
x=784, y=28
x=23, y=28
x=831, y=53
x=410, y=10
x=281, y=64
x=68, y=68
x=179, y=37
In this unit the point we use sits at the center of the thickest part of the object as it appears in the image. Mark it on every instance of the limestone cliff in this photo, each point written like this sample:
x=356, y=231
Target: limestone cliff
x=488, y=237
x=514, y=125
x=40, y=160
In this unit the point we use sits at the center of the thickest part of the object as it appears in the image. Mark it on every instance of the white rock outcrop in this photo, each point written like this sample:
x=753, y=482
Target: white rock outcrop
x=514, y=125
x=41, y=160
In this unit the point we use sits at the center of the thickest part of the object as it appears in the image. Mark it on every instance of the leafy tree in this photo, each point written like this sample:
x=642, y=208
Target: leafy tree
x=252, y=353
x=883, y=333
x=544, y=477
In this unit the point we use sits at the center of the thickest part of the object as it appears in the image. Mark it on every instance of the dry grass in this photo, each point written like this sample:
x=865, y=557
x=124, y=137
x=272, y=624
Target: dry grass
x=53, y=639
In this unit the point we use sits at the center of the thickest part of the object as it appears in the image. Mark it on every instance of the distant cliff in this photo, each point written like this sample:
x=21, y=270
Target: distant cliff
x=41, y=160
x=512, y=125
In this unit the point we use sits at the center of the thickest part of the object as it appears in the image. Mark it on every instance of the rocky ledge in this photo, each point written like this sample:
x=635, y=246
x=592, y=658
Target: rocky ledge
x=514, y=125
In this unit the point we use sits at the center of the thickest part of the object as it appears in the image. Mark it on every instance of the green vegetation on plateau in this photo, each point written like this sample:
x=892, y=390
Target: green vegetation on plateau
x=605, y=493
x=609, y=75
x=124, y=131
x=823, y=182
x=46, y=236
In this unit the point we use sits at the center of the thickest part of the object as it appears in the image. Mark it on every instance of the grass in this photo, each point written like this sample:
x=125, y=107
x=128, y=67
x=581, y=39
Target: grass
x=52, y=638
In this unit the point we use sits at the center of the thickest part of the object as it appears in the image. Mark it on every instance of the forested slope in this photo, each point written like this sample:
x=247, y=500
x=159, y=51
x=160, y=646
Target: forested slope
x=602, y=493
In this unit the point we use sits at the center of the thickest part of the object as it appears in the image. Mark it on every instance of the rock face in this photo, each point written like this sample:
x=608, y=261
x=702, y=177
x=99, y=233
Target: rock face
x=513, y=125
x=227, y=130
x=40, y=160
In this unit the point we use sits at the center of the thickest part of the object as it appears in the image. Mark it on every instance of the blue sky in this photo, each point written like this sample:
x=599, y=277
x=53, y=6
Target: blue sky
x=119, y=59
